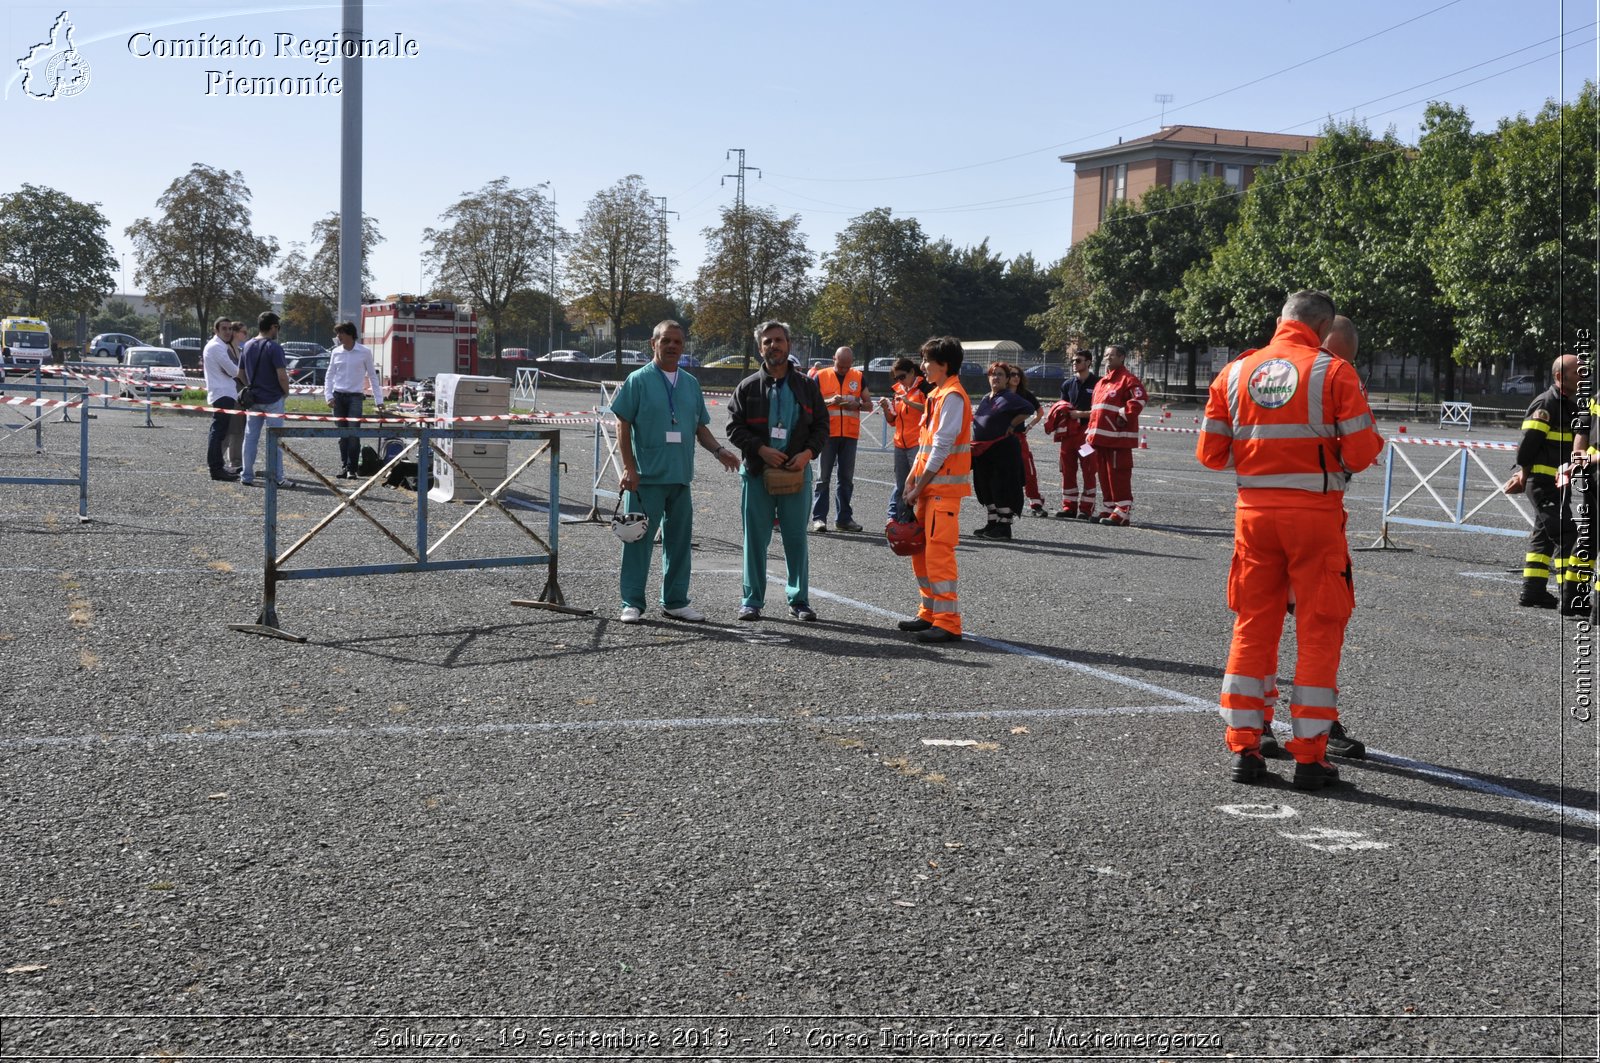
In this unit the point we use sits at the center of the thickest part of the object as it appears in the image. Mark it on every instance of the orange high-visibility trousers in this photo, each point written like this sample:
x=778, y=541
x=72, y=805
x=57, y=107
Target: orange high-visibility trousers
x=1276, y=551
x=935, y=566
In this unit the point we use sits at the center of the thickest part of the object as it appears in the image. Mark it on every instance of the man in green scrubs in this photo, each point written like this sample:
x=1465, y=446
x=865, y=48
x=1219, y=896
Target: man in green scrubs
x=660, y=416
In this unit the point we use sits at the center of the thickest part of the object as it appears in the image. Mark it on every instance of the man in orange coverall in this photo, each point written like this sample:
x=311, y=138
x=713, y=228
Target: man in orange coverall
x=1291, y=421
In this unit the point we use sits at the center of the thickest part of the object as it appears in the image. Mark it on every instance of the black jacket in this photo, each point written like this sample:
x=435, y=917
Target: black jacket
x=747, y=417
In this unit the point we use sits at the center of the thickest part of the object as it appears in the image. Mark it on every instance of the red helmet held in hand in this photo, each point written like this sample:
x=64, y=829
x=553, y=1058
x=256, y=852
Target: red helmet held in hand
x=905, y=537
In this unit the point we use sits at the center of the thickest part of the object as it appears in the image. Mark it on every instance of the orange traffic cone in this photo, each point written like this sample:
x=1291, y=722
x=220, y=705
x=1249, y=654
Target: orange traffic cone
x=1144, y=444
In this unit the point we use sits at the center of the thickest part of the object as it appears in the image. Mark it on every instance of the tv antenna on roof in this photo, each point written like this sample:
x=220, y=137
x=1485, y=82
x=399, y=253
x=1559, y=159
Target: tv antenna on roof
x=1164, y=98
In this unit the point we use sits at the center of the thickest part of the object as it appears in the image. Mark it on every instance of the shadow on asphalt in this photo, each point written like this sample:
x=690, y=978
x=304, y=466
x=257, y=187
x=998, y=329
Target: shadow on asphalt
x=1114, y=661
x=1350, y=791
x=1034, y=546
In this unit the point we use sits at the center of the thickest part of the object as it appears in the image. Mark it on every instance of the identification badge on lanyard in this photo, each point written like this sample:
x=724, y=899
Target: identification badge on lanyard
x=674, y=437
x=780, y=434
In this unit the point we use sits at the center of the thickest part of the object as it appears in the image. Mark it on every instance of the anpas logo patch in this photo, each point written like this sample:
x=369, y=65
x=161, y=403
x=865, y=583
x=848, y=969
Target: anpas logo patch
x=1274, y=383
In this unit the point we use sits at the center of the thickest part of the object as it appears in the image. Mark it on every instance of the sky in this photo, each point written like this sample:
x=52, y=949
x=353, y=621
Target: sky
x=954, y=113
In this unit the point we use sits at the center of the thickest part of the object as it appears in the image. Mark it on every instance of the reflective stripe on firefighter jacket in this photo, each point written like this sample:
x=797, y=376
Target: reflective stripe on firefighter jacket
x=842, y=423
x=1114, y=416
x=1291, y=421
x=954, y=478
x=1547, y=431
x=909, y=404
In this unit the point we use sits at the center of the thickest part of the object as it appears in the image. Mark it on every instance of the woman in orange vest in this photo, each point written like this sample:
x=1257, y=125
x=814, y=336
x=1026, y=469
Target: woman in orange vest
x=938, y=482
x=904, y=412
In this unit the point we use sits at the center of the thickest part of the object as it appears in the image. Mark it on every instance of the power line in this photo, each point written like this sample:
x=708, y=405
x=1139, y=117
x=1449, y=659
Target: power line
x=1126, y=125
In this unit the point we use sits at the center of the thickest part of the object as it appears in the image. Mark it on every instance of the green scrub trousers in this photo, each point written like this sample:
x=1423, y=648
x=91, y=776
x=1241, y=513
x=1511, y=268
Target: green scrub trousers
x=656, y=501
x=792, y=512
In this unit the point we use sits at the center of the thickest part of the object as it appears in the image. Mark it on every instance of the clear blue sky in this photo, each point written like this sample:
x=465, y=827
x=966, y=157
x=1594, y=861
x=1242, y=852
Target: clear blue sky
x=954, y=112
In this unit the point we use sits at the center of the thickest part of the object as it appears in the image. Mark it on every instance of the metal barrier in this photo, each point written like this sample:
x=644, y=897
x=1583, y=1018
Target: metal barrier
x=1463, y=457
x=1455, y=415
x=116, y=379
x=606, y=458
x=424, y=444
x=43, y=406
x=526, y=385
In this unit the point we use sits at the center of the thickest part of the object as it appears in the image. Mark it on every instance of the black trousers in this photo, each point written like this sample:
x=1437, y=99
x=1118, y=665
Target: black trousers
x=348, y=404
x=221, y=424
x=1554, y=531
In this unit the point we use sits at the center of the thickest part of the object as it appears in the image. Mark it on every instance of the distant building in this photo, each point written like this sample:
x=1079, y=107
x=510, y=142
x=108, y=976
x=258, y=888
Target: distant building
x=1179, y=153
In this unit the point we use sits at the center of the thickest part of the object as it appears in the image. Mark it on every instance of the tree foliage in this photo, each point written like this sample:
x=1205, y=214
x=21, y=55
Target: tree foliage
x=201, y=252
x=1519, y=230
x=55, y=259
x=982, y=296
x=617, y=255
x=880, y=288
x=310, y=282
x=755, y=270
x=491, y=244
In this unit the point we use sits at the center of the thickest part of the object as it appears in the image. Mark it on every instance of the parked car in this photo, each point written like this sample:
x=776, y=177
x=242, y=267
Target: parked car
x=1521, y=384
x=729, y=361
x=165, y=380
x=516, y=354
x=565, y=356
x=188, y=343
x=688, y=361
x=307, y=368
x=1043, y=374
x=881, y=365
x=113, y=345
x=980, y=369
x=300, y=347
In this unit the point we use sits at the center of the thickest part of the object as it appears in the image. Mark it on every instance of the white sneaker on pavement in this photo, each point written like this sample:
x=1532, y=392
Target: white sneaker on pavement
x=687, y=612
x=630, y=615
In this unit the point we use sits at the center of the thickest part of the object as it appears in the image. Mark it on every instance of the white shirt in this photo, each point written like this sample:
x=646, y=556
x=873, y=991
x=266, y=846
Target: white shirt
x=350, y=370
x=220, y=369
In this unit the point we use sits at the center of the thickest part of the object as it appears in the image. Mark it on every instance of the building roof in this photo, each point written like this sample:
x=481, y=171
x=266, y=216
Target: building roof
x=1199, y=137
x=992, y=348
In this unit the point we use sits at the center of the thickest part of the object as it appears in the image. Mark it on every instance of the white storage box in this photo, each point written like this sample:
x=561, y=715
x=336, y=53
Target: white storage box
x=456, y=396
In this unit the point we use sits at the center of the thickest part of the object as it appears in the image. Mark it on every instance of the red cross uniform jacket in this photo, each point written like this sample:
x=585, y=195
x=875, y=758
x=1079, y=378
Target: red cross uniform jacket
x=1114, y=417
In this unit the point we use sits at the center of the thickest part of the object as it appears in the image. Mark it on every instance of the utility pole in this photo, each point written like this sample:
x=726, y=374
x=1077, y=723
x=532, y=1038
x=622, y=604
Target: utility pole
x=739, y=176
x=550, y=342
x=661, y=224
x=350, y=228
x=1164, y=98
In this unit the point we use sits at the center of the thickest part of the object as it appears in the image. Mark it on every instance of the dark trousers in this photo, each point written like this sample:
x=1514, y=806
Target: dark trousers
x=348, y=404
x=837, y=453
x=221, y=424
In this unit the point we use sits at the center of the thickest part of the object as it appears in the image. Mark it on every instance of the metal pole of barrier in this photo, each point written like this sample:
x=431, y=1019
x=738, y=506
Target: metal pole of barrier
x=424, y=475
x=1383, y=542
x=38, y=421
x=1461, y=490
x=83, y=458
x=148, y=423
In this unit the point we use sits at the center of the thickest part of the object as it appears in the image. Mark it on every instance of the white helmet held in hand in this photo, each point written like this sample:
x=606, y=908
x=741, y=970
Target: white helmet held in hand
x=629, y=527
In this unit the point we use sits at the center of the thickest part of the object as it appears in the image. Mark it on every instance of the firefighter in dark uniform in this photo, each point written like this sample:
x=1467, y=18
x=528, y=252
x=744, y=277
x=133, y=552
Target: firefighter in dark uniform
x=1547, y=435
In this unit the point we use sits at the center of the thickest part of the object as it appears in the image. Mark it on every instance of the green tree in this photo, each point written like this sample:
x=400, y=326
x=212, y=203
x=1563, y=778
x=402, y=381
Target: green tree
x=880, y=288
x=310, y=282
x=617, y=255
x=202, y=252
x=54, y=257
x=755, y=270
x=1521, y=228
x=493, y=243
x=1061, y=325
x=1124, y=283
x=982, y=296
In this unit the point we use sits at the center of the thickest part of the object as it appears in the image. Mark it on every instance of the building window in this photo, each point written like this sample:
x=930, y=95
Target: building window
x=1180, y=172
x=1233, y=177
x=1119, y=187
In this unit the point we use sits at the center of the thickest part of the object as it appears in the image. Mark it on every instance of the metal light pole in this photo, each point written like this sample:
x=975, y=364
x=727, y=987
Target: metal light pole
x=350, y=166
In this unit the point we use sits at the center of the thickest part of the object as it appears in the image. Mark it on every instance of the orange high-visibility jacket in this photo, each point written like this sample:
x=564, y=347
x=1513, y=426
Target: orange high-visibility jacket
x=954, y=478
x=1114, y=417
x=1291, y=421
x=842, y=423
x=909, y=403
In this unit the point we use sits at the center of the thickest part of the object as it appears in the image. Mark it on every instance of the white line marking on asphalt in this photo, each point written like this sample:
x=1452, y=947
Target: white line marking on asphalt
x=1337, y=840
x=1259, y=811
x=1497, y=577
x=1202, y=705
x=533, y=727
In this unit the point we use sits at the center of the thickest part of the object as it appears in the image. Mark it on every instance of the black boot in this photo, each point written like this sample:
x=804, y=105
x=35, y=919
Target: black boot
x=1535, y=595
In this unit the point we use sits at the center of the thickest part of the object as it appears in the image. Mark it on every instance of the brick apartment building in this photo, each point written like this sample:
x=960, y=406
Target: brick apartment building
x=1179, y=153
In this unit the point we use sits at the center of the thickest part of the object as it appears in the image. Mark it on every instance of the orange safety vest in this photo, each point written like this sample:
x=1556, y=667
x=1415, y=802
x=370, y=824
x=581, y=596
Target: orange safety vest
x=954, y=478
x=841, y=423
x=909, y=403
x=1291, y=421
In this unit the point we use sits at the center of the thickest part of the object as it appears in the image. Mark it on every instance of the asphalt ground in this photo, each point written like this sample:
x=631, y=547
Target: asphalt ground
x=740, y=841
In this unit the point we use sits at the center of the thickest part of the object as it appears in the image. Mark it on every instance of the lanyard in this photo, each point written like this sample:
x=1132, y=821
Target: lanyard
x=672, y=388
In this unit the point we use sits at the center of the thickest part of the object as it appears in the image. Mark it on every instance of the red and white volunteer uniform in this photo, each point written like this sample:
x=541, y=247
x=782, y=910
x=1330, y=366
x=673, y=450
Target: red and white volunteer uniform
x=1291, y=421
x=1114, y=433
x=1070, y=433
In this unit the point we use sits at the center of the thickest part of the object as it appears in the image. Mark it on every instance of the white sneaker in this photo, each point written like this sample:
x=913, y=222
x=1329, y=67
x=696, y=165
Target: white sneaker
x=688, y=612
x=818, y=527
x=630, y=615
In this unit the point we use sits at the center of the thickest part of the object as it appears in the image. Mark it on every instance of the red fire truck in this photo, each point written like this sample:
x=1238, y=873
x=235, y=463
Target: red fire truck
x=412, y=338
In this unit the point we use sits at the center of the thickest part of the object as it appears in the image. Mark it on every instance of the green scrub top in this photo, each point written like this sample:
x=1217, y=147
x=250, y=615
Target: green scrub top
x=649, y=403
